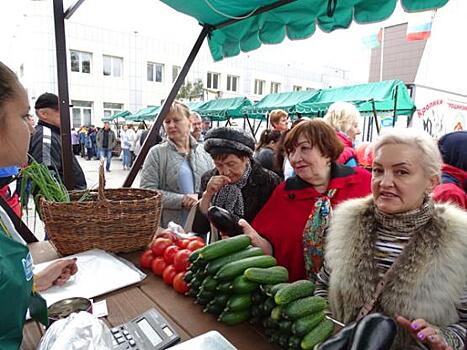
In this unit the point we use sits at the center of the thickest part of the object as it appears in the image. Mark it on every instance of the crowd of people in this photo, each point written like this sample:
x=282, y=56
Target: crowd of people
x=386, y=235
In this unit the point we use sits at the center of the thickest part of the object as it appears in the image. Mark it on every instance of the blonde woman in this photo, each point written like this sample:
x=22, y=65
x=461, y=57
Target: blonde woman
x=344, y=117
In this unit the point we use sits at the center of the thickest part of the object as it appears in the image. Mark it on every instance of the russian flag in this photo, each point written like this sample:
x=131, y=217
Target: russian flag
x=373, y=41
x=420, y=27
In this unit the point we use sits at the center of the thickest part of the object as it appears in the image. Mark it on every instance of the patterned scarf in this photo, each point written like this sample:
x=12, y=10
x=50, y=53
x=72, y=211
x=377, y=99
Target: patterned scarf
x=230, y=196
x=313, y=235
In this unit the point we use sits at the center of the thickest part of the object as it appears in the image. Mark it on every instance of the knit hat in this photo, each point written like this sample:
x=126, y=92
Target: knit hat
x=226, y=140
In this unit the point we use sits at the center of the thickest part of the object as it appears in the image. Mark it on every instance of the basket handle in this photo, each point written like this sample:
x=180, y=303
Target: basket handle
x=101, y=194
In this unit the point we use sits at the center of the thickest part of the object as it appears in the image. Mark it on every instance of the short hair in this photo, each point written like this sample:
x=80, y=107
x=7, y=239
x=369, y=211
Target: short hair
x=268, y=136
x=342, y=115
x=179, y=108
x=196, y=115
x=319, y=134
x=276, y=115
x=430, y=157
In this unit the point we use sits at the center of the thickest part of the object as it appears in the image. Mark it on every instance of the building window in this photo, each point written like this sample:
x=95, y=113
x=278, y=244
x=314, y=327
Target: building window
x=213, y=80
x=113, y=66
x=111, y=108
x=80, y=61
x=259, y=86
x=155, y=72
x=309, y=89
x=297, y=88
x=232, y=83
x=175, y=72
x=81, y=113
x=275, y=87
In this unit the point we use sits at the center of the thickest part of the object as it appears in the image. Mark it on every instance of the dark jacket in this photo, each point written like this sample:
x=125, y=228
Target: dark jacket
x=261, y=183
x=46, y=148
x=100, y=139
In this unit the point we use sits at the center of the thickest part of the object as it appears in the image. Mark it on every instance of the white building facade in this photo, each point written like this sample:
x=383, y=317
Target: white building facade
x=110, y=71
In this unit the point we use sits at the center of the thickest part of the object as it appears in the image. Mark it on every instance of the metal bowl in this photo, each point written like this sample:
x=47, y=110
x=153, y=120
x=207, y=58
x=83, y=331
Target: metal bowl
x=64, y=308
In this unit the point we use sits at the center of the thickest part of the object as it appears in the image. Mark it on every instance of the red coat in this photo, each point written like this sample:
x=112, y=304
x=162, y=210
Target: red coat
x=282, y=220
x=451, y=189
x=348, y=153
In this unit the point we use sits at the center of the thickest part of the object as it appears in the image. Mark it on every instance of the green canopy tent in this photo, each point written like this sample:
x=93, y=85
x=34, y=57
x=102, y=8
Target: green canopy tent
x=386, y=96
x=144, y=115
x=121, y=114
x=194, y=105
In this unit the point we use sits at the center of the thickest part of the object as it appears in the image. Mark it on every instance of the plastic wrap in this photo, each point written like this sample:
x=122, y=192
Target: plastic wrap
x=79, y=331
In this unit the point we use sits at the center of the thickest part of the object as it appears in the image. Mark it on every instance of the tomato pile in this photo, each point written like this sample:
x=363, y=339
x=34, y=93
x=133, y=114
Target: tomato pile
x=168, y=258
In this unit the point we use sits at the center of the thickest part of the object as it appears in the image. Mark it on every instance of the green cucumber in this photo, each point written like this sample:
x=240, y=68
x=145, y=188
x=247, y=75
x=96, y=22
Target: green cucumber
x=224, y=287
x=193, y=256
x=276, y=313
x=271, y=275
x=268, y=305
x=232, y=318
x=294, y=342
x=285, y=327
x=283, y=340
x=305, y=324
x=224, y=247
x=242, y=285
x=235, y=268
x=202, y=301
x=221, y=299
x=266, y=288
x=195, y=283
x=189, y=275
x=268, y=322
x=213, y=308
x=294, y=291
x=275, y=288
x=239, y=302
x=317, y=335
x=209, y=284
x=216, y=264
x=258, y=297
x=206, y=294
x=304, y=307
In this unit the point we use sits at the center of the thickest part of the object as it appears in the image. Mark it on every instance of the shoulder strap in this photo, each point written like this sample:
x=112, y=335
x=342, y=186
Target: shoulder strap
x=22, y=229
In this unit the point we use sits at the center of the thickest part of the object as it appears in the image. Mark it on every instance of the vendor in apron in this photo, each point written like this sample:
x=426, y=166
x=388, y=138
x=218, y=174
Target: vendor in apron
x=18, y=285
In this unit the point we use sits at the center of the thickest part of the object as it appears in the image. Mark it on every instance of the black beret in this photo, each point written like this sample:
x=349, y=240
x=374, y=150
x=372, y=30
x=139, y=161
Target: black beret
x=229, y=140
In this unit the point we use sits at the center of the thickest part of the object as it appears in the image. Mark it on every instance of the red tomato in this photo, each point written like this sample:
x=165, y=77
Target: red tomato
x=179, y=284
x=169, y=254
x=146, y=259
x=167, y=234
x=182, y=243
x=181, y=262
x=169, y=274
x=159, y=245
x=195, y=245
x=195, y=238
x=158, y=265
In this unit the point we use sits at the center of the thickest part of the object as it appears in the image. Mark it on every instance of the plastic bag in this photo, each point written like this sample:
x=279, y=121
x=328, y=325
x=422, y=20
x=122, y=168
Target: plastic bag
x=79, y=331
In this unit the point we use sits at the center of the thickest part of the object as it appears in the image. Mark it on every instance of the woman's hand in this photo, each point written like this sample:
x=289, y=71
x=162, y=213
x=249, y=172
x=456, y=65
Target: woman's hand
x=255, y=237
x=56, y=273
x=215, y=184
x=189, y=200
x=424, y=332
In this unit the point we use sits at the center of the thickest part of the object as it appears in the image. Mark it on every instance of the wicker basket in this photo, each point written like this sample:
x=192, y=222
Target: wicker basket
x=115, y=220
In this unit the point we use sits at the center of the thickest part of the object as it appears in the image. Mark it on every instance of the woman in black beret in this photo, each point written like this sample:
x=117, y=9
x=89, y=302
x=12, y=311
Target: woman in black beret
x=238, y=183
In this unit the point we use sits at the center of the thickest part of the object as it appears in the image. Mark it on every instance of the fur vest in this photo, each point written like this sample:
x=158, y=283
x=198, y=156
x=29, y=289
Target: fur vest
x=428, y=282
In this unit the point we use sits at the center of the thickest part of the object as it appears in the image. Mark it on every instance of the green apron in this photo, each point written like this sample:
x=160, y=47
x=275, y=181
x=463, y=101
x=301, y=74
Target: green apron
x=16, y=280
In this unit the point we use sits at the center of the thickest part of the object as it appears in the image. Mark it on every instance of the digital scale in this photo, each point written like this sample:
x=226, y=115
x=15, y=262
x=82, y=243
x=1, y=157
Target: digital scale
x=149, y=331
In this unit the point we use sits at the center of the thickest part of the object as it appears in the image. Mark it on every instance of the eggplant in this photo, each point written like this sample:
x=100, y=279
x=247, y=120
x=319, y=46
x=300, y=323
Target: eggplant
x=374, y=331
x=224, y=221
x=341, y=340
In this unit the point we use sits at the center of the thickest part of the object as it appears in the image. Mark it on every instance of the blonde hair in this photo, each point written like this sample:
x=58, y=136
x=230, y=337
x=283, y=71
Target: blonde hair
x=430, y=157
x=180, y=108
x=342, y=115
x=276, y=115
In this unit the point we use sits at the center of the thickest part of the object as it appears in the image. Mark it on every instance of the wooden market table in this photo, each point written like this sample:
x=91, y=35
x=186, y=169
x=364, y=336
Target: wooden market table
x=127, y=303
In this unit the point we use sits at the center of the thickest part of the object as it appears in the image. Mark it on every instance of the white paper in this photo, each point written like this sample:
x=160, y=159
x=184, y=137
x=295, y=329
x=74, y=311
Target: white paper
x=99, y=308
x=98, y=273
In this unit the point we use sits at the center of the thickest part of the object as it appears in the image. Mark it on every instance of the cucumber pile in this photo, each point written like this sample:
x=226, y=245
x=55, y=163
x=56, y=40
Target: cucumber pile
x=216, y=279
x=237, y=283
x=291, y=316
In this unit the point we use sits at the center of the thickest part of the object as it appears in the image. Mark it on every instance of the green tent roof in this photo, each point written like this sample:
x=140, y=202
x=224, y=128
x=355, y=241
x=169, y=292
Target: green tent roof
x=382, y=93
x=282, y=100
x=122, y=114
x=296, y=20
x=194, y=105
x=224, y=108
x=145, y=114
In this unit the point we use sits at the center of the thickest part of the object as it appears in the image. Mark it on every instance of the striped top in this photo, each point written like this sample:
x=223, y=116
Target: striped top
x=388, y=247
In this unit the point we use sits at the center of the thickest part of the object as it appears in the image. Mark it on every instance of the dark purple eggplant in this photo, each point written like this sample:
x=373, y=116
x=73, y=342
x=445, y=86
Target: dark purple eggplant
x=374, y=331
x=224, y=221
x=340, y=341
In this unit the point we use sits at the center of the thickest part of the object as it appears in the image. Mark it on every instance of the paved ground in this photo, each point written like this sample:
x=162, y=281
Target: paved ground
x=114, y=179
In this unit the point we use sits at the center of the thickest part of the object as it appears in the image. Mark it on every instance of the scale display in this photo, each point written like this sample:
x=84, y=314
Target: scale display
x=149, y=331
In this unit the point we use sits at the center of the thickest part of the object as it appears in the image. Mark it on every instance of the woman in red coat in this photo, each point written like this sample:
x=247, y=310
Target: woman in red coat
x=291, y=226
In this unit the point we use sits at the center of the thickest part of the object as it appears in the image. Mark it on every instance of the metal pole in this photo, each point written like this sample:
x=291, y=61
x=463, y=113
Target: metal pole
x=375, y=116
x=71, y=10
x=395, y=106
x=63, y=98
x=152, y=135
